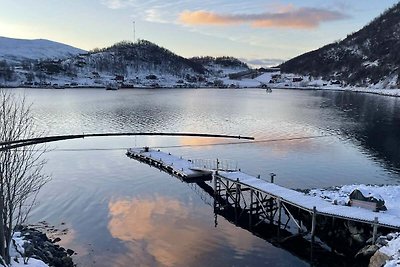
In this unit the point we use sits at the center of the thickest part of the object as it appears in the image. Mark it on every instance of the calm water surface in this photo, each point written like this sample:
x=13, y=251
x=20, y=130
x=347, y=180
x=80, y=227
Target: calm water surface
x=123, y=213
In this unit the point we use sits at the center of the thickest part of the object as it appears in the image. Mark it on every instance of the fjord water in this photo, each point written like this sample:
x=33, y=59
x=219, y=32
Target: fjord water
x=123, y=213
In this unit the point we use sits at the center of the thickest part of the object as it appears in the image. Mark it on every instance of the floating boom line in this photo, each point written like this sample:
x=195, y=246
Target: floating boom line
x=7, y=145
x=200, y=145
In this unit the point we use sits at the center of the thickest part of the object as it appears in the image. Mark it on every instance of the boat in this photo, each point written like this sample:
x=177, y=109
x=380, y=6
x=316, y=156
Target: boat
x=112, y=87
x=267, y=88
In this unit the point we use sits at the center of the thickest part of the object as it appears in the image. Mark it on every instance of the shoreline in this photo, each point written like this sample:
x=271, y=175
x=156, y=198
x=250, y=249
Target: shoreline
x=381, y=92
x=33, y=247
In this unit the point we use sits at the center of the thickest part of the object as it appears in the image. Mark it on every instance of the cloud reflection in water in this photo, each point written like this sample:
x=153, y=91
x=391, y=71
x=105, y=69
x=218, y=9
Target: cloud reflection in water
x=161, y=224
x=167, y=231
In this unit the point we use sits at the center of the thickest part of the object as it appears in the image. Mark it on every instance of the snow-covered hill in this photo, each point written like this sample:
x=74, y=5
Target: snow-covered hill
x=139, y=64
x=221, y=66
x=367, y=57
x=17, y=50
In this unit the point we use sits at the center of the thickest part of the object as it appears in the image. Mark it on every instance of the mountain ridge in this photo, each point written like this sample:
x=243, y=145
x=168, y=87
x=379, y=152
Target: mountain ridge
x=366, y=57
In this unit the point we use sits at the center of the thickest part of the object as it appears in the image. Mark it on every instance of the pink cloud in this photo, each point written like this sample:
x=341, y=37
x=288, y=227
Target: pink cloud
x=290, y=17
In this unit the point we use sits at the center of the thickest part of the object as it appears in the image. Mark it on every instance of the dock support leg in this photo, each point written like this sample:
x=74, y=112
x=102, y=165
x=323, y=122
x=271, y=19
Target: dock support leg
x=227, y=192
x=314, y=224
x=279, y=217
x=215, y=186
x=216, y=193
x=237, y=199
x=375, y=230
x=237, y=192
x=251, y=207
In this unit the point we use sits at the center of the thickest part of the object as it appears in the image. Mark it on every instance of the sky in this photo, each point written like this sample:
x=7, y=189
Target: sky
x=257, y=31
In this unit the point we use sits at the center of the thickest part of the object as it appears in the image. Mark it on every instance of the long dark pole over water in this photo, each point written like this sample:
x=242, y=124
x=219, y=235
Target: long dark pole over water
x=6, y=145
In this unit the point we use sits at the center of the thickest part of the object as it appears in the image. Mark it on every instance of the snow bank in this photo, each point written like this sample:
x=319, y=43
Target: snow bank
x=17, y=249
x=340, y=195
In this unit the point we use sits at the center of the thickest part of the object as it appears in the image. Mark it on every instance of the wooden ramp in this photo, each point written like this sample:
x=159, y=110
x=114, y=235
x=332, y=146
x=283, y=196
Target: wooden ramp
x=177, y=166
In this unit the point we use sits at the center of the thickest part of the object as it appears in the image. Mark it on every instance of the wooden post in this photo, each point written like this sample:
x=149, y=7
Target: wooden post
x=215, y=186
x=251, y=207
x=257, y=204
x=237, y=197
x=216, y=193
x=226, y=191
x=279, y=217
x=272, y=177
x=314, y=224
x=375, y=230
x=237, y=200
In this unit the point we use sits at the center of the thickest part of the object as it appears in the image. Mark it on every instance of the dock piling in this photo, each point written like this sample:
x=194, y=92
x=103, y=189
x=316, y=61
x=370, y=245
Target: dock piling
x=314, y=223
x=375, y=230
x=272, y=177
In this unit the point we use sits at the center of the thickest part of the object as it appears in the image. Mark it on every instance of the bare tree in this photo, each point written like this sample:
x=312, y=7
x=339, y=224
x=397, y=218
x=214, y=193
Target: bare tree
x=21, y=175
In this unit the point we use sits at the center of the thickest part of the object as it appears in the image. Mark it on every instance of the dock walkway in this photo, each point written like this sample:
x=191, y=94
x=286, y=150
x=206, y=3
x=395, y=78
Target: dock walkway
x=187, y=170
x=182, y=168
x=306, y=202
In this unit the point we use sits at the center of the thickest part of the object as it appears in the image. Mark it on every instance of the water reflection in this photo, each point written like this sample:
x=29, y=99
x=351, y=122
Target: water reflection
x=373, y=122
x=162, y=227
x=164, y=232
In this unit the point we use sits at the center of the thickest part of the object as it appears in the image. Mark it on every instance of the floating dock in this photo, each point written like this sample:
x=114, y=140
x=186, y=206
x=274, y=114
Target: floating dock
x=184, y=169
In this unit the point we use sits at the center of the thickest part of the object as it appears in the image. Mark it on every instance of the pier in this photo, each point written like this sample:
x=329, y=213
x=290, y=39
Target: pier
x=268, y=202
x=181, y=168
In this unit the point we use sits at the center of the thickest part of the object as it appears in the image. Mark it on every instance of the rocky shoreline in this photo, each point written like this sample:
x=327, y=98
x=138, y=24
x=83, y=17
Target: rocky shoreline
x=39, y=246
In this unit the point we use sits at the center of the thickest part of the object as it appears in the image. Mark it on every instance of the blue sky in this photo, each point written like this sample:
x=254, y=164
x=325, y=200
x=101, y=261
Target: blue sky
x=254, y=30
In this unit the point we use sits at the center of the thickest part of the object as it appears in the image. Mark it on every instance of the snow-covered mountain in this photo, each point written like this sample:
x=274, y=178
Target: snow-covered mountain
x=17, y=50
x=368, y=57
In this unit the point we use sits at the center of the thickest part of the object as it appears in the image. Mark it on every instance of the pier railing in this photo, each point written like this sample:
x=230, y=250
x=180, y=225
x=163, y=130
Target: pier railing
x=215, y=164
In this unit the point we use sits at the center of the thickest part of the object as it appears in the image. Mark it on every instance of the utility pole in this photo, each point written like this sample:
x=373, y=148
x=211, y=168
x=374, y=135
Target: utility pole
x=134, y=32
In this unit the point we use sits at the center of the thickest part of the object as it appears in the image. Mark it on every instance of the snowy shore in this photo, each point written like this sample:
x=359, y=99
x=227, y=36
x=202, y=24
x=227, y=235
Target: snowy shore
x=32, y=248
x=221, y=78
x=390, y=247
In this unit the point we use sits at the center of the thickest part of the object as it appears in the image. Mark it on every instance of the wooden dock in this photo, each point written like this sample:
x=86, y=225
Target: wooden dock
x=176, y=166
x=308, y=203
x=267, y=201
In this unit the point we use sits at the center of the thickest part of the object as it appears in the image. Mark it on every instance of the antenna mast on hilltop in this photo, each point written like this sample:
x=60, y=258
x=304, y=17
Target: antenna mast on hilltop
x=134, y=32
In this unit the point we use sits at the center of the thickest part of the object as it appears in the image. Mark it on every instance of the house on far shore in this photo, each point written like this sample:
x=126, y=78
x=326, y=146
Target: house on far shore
x=119, y=78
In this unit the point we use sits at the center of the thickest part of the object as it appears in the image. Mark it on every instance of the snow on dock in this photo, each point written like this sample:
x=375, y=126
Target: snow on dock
x=182, y=168
x=307, y=202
